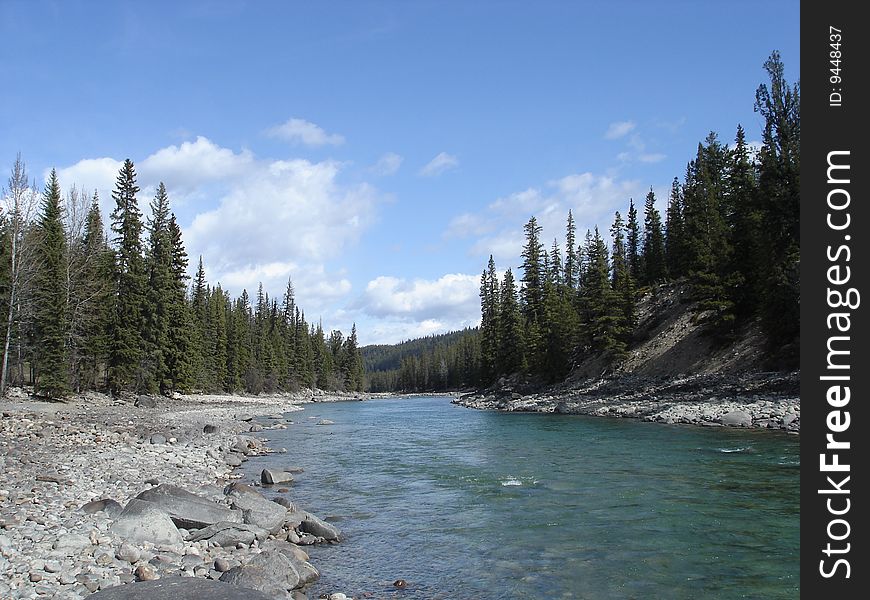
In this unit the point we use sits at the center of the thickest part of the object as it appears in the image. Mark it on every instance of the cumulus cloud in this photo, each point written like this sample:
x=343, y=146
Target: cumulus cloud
x=451, y=298
x=305, y=132
x=619, y=129
x=441, y=163
x=388, y=164
x=652, y=157
x=592, y=199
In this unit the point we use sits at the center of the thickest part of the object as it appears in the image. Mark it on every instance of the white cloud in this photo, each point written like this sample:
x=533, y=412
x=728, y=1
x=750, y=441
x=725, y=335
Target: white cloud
x=441, y=163
x=451, y=298
x=652, y=157
x=306, y=132
x=592, y=199
x=190, y=164
x=388, y=164
x=619, y=129
x=389, y=331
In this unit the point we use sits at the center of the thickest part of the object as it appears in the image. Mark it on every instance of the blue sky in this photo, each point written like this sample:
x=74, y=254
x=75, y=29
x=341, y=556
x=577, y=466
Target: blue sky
x=378, y=152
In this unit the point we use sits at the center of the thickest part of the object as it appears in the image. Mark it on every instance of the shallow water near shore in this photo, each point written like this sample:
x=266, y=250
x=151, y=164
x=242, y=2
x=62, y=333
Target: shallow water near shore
x=469, y=504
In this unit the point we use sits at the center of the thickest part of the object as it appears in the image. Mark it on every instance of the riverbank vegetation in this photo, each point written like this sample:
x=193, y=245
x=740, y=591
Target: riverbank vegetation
x=729, y=236
x=86, y=311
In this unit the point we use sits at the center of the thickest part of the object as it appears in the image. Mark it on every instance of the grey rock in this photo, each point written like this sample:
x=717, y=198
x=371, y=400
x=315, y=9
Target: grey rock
x=325, y=422
x=318, y=527
x=144, y=521
x=222, y=565
x=128, y=553
x=113, y=508
x=270, y=572
x=144, y=401
x=299, y=558
x=71, y=544
x=158, y=438
x=229, y=534
x=187, y=509
x=180, y=588
x=737, y=418
x=256, y=509
x=270, y=477
x=789, y=418
x=208, y=428
x=232, y=459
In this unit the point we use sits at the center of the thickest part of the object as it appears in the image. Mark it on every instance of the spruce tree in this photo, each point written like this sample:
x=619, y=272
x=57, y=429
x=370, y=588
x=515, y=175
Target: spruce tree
x=52, y=376
x=653, y=242
x=632, y=239
x=510, y=328
x=159, y=296
x=352, y=367
x=179, y=357
x=125, y=368
x=779, y=187
x=622, y=281
x=571, y=263
x=675, y=244
x=489, y=323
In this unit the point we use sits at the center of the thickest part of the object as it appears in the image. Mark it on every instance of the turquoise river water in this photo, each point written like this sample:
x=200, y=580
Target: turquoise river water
x=465, y=504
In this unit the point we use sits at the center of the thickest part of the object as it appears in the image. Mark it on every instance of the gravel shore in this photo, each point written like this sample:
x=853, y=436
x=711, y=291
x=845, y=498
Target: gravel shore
x=757, y=400
x=57, y=459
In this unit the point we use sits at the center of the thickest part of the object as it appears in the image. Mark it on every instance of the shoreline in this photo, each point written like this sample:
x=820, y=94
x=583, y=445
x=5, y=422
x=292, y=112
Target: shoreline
x=751, y=401
x=59, y=460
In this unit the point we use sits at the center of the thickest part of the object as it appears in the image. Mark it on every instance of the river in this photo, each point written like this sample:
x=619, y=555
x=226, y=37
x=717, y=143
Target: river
x=466, y=504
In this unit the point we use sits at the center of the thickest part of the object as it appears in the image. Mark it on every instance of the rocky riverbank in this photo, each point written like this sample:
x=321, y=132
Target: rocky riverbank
x=97, y=492
x=758, y=400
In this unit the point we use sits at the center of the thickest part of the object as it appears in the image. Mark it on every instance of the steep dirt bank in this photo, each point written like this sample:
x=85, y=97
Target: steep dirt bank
x=675, y=372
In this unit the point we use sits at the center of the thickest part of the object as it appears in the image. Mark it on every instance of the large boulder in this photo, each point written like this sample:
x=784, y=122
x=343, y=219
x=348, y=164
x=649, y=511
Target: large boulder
x=737, y=418
x=188, y=510
x=144, y=401
x=270, y=572
x=229, y=534
x=256, y=510
x=318, y=527
x=143, y=521
x=179, y=588
x=299, y=558
x=271, y=477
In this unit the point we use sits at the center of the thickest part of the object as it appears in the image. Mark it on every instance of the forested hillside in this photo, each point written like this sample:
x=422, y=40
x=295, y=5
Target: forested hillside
x=729, y=237
x=83, y=310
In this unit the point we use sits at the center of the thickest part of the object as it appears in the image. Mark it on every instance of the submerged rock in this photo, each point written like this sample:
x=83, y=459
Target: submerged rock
x=270, y=477
x=318, y=527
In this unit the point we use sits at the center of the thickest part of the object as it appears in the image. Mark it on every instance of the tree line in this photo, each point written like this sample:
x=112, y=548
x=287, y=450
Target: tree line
x=730, y=232
x=84, y=311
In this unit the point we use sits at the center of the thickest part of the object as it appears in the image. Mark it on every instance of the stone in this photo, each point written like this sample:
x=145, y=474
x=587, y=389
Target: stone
x=232, y=460
x=208, y=428
x=270, y=572
x=229, y=535
x=72, y=544
x=270, y=477
x=325, y=422
x=143, y=521
x=737, y=418
x=186, y=509
x=318, y=527
x=146, y=573
x=158, y=438
x=222, y=565
x=128, y=553
x=337, y=596
x=144, y=401
x=52, y=567
x=180, y=588
x=307, y=573
x=111, y=507
x=256, y=509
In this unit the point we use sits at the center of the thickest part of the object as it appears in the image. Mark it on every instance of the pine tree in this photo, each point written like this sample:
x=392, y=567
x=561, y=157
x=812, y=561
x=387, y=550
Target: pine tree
x=622, y=282
x=489, y=323
x=571, y=263
x=675, y=244
x=653, y=242
x=510, y=328
x=52, y=376
x=159, y=295
x=352, y=367
x=125, y=353
x=179, y=357
x=96, y=294
x=779, y=186
x=632, y=236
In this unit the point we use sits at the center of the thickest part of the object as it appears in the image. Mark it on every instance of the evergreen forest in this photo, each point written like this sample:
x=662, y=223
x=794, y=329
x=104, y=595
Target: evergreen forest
x=87, y=310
